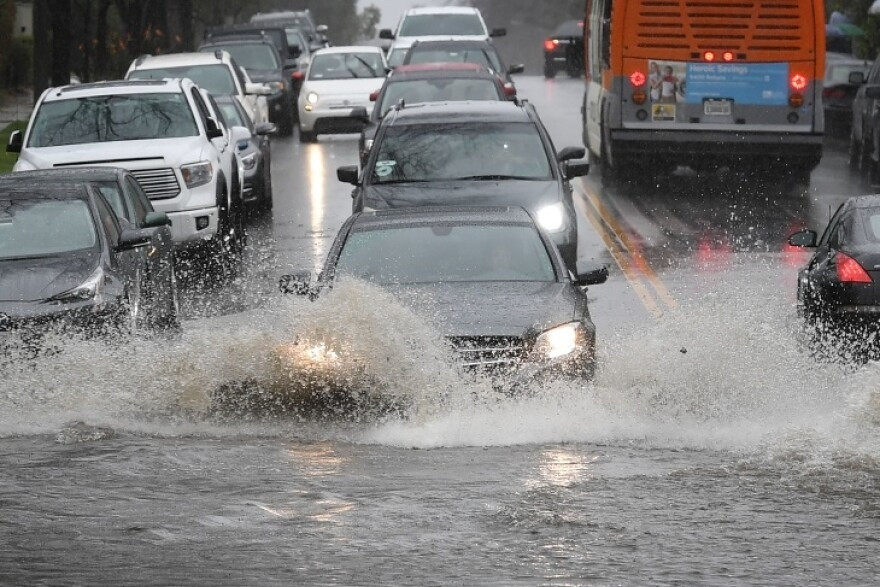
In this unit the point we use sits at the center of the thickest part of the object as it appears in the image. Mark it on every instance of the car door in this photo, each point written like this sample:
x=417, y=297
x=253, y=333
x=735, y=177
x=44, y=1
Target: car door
x=814, y=279
x=124, y=266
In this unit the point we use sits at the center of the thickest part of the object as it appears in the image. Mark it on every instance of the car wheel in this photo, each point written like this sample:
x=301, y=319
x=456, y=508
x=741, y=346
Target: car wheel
x=307, y=137
x=549, y=70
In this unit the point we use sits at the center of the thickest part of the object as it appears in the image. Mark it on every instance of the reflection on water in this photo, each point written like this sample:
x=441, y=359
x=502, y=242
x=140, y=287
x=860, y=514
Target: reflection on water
x=560, y=467
x=316, y=460
x=317, y=196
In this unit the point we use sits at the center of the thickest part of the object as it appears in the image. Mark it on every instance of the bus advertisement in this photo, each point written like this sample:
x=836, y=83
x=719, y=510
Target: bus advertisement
x=704, y=83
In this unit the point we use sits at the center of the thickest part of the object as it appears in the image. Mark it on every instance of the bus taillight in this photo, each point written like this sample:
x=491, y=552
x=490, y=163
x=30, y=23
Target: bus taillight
x=637, y=79
x=798, y=82
x=709, y=55
x=639, y=97
x=796, y=100
x=728, y=56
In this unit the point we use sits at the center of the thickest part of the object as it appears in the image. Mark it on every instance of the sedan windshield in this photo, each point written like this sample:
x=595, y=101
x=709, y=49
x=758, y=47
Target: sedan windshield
x=258, y=56
x=346, y=66
x=446, y=253
x=41, y=227
x=422, y=25
x=464, y=151
x=128, y=117
x=216, y=79
x=438, y=90
x=478, y=55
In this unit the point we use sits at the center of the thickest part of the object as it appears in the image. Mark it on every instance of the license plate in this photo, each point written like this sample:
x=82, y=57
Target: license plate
x=718, y=107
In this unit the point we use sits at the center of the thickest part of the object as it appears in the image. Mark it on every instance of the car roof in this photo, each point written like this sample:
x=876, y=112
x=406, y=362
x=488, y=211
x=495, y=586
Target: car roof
x=177, y=59
x=93, y=173
x=116, y=87
x=451, y=69
x=25, y=190
x=570, y=28
x=445, y=43
x=378, y=219
x=466, y=111
x=349, y=49
x=867, y=201
x=442, y=10
x=238, y=39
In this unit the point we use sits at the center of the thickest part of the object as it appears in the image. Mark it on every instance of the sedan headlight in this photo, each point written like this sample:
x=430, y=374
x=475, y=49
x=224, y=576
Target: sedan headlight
x=87, y=290
x=559, y=341
x=312, y=98
x=248, y=162
x=196, y=174
x=552, y=218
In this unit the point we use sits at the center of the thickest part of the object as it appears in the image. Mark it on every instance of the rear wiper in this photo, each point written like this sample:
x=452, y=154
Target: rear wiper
x=494, y=177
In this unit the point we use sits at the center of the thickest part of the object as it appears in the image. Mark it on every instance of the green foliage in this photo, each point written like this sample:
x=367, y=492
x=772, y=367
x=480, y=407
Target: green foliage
x=868, y=45
x=370, y=17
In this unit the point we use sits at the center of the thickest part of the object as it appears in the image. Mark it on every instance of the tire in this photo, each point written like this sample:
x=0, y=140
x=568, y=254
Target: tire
x=307, y=137
x=549, y=70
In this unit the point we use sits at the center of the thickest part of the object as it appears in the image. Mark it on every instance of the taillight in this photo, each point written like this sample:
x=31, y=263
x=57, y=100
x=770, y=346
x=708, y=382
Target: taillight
x=796, y=100
x=297, y=75
x=550, y=44
x=639, y=97
x=849, y=270
x=798, y=82
x=709, y=56
x=637, y=79
x=727, y=56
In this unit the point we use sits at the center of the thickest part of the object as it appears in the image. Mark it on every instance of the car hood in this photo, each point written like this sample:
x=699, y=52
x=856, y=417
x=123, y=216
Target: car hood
x=30, y=280
x=491, y=308
x=344, y=87
x=529, y=194
x=129, y=154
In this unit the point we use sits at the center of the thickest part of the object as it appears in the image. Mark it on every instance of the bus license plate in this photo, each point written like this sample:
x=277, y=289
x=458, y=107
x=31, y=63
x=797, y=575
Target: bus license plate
x=718, y=107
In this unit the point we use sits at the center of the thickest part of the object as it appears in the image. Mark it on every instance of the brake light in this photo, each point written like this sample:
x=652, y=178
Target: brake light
x=709, y=55
x=849, y=270
x=297, y=75
x=728, y=56
x=798, y=82
x=550, y=44
x=796, y=100
x=637, y=79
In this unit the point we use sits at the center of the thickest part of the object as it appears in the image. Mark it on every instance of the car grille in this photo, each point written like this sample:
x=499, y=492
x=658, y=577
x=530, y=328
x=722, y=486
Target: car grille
x=159, y=184
x=492, y=354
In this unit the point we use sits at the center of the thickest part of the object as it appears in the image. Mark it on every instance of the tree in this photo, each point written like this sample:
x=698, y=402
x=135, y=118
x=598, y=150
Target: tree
x=370, y=17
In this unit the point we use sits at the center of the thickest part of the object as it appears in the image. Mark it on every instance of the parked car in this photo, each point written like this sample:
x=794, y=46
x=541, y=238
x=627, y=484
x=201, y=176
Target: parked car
x=480, y=52
x=217, y=73
x=489, y=279
x=564, y=50
x=260, y=59
x=474, y=153
x=68, y=264
x=844, y=74
x=432, y=82
x=164, y=131
x=335, y=96
x=254, y=153
x=839, y=289
x=301, y=19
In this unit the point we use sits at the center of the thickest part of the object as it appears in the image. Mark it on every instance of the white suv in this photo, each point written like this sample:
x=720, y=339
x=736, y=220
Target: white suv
x=164, y=131
x=446, y=22
x=216, y=72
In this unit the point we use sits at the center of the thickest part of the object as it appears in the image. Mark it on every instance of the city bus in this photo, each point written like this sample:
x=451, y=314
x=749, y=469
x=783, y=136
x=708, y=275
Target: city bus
x=704, y=83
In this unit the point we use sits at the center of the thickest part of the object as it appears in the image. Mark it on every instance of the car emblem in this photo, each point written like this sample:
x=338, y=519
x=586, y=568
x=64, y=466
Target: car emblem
x=5, y=321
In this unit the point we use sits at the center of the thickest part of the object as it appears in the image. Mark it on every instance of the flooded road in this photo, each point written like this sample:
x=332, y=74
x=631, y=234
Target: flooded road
x=711, y=449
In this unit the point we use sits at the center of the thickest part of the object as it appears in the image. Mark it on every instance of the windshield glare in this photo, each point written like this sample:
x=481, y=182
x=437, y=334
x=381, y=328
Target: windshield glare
x=438, y=152
x=438, y=90
x=257, y=56
x=446, y=253
x=216, y=79
x=346, y=66
x=422, y=25
x=41, y=227
x=112, y=118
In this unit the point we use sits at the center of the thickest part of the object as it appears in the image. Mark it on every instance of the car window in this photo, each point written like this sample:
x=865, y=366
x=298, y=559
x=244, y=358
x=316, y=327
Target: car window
x=396, y=56
x=259, y=56
x=108, y=220
x=421, y=25
x=480, y=55
x=832, y=226
x=346, y=66
x=200, y=106
x=216, y=79
x=100, y=119
x=839, y=73
x=231, y=115
x=138, y=199
x=38, y=227
x=437, y=152
x=438, y=90
x=112, y=192
x=446, y=253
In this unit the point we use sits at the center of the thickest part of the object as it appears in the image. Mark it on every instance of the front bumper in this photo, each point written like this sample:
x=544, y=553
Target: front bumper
x=331, y=118
x=185, y=224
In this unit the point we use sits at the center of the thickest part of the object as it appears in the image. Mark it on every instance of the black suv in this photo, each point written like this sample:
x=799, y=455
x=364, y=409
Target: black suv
x=564, y=50
x=472, y=153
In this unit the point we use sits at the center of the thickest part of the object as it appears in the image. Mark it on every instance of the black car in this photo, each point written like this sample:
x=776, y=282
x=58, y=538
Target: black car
x=432, y=82
x=564, y=50
x=488, y=279
x=839, y=289
x=252, y=146
x=481, y=52
x=260, y=58
x=69, y=262
x=475, y=153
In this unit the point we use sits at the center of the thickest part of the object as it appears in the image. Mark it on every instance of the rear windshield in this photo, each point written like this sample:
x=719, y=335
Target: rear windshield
x=257, y=56
x=484, y=56
x=422, y=25
x=346, y=66
x=838, y=73
x=396, y=56
x=42, y=227
x=216, y=79
x=438, y=90
x=112, y=118
x=446, y=253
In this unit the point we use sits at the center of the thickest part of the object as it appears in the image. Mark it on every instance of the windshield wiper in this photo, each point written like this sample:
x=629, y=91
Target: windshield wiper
x=491, y=177
x=367, y=65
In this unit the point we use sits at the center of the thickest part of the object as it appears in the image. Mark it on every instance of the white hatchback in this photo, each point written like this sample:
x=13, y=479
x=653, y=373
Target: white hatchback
x=335, y=96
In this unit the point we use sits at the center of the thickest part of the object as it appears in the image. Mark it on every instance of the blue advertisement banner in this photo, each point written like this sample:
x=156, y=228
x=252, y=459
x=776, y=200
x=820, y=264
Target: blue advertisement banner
x=763, y=84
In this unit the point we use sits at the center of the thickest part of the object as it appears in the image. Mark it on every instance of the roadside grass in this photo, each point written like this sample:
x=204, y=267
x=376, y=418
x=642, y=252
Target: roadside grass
x=7, y=160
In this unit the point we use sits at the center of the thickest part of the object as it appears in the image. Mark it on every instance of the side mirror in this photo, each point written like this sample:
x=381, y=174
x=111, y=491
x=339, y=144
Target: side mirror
x=213, y=130
x=571, y=153
x=239, y=134
x=501, y=32
x=592, y=276
x=856, y=78
x=134, y=238
x=322, y=28
x=804, y=239
x=156, y=219
x=514, y=69
x=360, y=113
x=16, y=141
x=386, y=34
x=573, y=169
x=872, y=92
x=265, y=128
x=255, y=89
x=299, y=283
x=348, y=174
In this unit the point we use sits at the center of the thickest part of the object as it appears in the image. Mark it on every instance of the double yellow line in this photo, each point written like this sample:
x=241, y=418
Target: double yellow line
x=628, y=255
